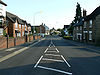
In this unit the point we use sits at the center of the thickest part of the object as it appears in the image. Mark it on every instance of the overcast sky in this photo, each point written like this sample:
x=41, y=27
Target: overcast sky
x=55, y=13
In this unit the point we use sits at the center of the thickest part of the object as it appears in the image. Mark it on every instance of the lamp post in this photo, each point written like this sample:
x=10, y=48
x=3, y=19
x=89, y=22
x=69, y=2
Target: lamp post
x=40, y=12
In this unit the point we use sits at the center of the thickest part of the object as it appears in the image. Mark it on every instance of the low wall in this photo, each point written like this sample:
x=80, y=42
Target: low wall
x=3, y=42
x=10, y=42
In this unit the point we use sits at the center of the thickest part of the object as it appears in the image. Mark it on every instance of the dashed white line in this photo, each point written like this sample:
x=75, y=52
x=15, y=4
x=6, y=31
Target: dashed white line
x=54, y=70
x=38, y=61
x=53, y=60
x=65, y=61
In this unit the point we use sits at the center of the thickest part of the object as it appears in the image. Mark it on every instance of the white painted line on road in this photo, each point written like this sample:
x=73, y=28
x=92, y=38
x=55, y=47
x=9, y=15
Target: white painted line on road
x=53, y=45
x=52, y=60
x=38, y=61
x=49, y=45
x=10, y=49
x=52, y=55
x=57, y=50
x=65, y=61
x=45, y=50
x=54, y=70
x=52, y=52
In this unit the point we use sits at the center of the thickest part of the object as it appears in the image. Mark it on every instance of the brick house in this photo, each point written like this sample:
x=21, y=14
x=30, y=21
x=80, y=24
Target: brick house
x=2, y=17
x=78, y=28
x=29, y=28
x=91, y=29
x=16, y=26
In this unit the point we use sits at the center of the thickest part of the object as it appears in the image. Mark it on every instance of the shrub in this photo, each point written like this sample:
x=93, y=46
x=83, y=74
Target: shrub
x=68, y=37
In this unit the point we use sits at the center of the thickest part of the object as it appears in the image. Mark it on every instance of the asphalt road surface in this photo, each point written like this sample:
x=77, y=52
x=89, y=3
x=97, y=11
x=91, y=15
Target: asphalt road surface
x=51, y=56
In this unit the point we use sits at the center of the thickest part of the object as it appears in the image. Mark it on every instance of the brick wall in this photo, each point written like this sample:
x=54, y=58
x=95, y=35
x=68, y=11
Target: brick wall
x=10, y=42
x=3, y=42
x=30, y=38
x=20, y=40
x=7, y=43
x=97, y=30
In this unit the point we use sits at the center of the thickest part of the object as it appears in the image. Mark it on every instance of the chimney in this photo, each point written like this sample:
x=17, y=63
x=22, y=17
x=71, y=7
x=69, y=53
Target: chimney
x=84, y=13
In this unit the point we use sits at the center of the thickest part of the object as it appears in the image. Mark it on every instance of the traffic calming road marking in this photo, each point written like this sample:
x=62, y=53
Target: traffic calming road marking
x=52, y=69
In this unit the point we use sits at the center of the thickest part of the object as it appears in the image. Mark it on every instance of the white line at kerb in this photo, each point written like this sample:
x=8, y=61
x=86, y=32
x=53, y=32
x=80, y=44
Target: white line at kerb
x=38, y=61
x=65, y=61
x=54, y=70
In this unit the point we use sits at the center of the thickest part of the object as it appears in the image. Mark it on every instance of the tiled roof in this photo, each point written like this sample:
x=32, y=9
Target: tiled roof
x=95, y=13
x=80, y=23
x=13, y=18
x=3, y=3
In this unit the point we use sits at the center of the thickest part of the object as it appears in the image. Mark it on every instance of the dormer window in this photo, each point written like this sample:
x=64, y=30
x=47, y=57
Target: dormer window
x=91, y=23
x=84, y=24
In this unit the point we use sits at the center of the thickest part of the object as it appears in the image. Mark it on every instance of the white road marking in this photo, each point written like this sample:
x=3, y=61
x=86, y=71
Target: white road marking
x=57, y=50
x=54, y=70
x=38, y=61
x=52, y=60
x=10, y=49
x=45, y=50
x=52, y=51
x=53, y=45
x=65, y=61
x=49, y=45
x=52, y=55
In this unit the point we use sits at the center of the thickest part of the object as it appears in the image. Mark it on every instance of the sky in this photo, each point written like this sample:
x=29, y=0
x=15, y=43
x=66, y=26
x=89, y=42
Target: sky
x=54, y=13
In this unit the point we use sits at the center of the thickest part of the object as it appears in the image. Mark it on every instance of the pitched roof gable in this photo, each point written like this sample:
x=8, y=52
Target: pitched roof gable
x=95, y=13
x=3, y=3
x=13, y=18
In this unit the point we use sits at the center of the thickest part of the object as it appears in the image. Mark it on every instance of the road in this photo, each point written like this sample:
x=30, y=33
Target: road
x=52, y=56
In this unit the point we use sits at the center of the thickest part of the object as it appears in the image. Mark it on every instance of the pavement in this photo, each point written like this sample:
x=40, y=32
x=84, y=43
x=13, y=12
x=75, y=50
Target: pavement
x=51, y=56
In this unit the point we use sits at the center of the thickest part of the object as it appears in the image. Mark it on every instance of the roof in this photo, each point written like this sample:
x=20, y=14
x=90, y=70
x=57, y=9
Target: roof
x=95, y=13
x=80, y=23
x=28, y=24
x=3, y=3
x=13, y=18
x=66, y=26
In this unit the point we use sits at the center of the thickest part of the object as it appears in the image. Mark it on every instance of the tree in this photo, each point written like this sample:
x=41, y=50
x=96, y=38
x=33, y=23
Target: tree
x=78, y=13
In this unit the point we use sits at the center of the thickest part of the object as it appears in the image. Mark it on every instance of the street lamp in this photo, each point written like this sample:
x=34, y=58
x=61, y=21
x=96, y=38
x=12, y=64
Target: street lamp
x=40, y=12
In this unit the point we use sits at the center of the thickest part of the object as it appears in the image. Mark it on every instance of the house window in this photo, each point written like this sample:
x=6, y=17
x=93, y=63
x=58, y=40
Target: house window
x=83, y=35
x=84, y=24
x=1, y=31
x=19, y=25
x=23, y=33
x=16, y=25
x=80, y=27
x=91, y=23
x=74, y=28
x=90, y=35
x=77, y=28
x=23, y=26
